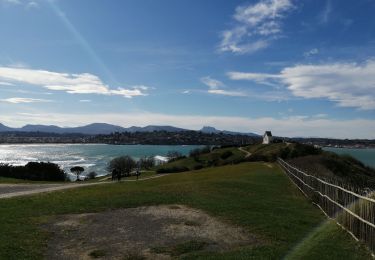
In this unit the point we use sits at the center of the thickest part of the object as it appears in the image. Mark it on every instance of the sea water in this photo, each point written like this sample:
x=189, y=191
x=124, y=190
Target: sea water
x=367, y=156
x=93, y=157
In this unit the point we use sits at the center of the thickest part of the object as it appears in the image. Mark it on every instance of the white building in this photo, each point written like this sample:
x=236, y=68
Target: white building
x=267, y=137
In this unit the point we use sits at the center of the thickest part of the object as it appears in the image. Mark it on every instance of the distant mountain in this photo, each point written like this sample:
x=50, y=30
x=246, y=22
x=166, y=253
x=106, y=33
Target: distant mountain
x=102, y=128
x=213, y=130
x=40, y=128
x=4, y=128
x=96, y=128
x=209, y=130
x=152, y=128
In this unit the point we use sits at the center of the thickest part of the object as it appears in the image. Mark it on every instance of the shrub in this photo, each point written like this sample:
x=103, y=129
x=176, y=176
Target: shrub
x=92, y=175
x=226, y=155
x=172, y=169
x=147, y=162
x=198, y=167
x=198, y=151
x=35, y=171
x=174, y=155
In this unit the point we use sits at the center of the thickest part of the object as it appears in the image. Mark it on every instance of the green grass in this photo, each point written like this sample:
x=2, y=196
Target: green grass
x=328, y=241
x=260, y=199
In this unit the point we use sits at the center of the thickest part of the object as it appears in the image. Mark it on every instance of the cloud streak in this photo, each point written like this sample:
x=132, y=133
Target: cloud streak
x=84, y=83
x=256, y=26
x=216, y=87
x=347, y=84
x=17, y=100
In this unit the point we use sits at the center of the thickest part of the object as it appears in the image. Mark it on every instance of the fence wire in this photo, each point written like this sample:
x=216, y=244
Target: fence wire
x=355, y=212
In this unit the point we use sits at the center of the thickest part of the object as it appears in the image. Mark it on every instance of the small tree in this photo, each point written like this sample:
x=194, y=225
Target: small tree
x=77, y=170
x=147, y=162
x=174, y=155
x=92, y=175
x=124, y=164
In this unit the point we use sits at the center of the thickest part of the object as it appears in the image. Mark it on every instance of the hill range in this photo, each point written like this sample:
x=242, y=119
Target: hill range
x=103, y=128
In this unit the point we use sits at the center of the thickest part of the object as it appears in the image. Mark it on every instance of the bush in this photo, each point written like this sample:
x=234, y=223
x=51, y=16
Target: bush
x=172, y=169
x=174, y=155
x=198, y=167
x=147, y=162
x=92, y=175
x=198, y=151
x=34, y=171
x=226, y=155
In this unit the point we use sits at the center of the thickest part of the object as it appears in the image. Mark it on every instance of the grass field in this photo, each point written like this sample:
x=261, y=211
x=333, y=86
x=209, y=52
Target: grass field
x=253, y=196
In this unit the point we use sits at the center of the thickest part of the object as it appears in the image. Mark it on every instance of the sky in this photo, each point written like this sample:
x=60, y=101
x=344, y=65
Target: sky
x=295, y=67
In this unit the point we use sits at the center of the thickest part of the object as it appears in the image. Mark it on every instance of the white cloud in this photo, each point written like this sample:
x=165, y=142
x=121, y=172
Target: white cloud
x=212, y=83
x=25, y=3
x=6, y=84
x=311, y=52
x=17, y=100
x=347, y=84
x=216, y=88
x=287, y=126
x=227, y=93
x=85, y=100
x=256, y=26
x=84, y=83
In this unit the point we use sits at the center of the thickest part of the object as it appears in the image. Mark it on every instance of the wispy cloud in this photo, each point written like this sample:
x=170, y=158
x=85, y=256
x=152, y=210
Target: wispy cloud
x=84, y=100
x=212, y=83
x=84, y=83
x=11, y=1
x=256, y=26
x=227, y=92
x=217, y=87
x=26, y=3
x=6, y=84
x=16, y=100
x=347, y=84
x=311, y=52
x=286, y=126
x=325, y=13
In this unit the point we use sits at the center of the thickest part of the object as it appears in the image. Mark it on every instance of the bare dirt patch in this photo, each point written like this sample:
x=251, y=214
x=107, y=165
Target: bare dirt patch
x=156, y=232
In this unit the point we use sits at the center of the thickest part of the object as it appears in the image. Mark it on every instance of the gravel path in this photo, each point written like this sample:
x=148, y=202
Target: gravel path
x=15, y=190
x=247, y=154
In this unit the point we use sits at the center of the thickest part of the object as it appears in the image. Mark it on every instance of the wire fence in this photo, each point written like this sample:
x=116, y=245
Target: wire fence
x=352, y=210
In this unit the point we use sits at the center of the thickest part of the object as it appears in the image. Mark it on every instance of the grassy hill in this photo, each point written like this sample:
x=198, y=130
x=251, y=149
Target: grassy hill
x=256, y=197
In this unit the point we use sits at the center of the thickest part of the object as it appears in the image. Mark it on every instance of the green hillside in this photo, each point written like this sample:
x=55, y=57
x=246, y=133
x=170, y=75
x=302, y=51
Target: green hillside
x=256, y=197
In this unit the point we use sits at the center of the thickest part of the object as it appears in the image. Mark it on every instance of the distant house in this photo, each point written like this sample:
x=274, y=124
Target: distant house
x=267, y=137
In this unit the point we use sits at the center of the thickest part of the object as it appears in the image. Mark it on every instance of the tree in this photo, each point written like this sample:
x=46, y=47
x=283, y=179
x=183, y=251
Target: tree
x=124, y=164
x=174, y=155
x=92, y=175
x=147, y=162
x=77, y=170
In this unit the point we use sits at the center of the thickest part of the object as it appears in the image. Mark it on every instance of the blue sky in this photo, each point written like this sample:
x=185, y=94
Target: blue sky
x=298, y=68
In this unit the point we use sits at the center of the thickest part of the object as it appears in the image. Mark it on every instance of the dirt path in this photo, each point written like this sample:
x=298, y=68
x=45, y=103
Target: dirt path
x=247, y=154
x=15, y=190
x=154, y=232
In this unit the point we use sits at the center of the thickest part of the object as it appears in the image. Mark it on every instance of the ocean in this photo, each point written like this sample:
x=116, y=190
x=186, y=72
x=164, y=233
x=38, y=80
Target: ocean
x=367, y=156
x=93, y=157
